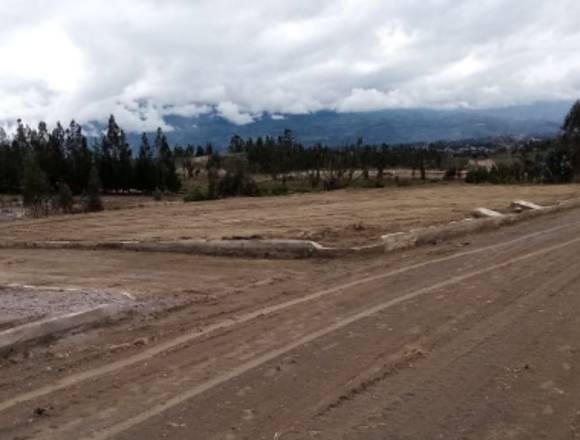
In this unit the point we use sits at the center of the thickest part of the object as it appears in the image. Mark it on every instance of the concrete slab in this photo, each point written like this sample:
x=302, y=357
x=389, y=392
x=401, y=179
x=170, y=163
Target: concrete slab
x=20, y=304
x=399, y=240
x=38, y=330
x=524, y=205
x=485, y=213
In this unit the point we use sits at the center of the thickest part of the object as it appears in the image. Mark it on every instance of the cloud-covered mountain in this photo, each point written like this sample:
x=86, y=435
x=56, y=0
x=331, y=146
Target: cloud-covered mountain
x=143, y=60
x=390, y=126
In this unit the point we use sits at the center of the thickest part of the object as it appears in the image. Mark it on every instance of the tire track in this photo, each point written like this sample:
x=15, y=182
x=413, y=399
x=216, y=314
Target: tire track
x=460, y=362
x=265, y=311
x=269, y=356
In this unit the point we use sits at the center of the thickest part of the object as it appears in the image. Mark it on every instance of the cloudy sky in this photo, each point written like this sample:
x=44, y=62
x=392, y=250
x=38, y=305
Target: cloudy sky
x=143, y=59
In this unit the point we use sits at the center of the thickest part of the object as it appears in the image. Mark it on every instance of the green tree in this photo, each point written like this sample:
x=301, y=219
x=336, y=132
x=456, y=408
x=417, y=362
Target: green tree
x=212, y=167
x=557, y=167
x=145, y=173
x=65, y=200
x=571, y=136
x=14, y=157
x=35, y=186
x=167, y=178
x=125, y=163
x=237, y=145
x=79, y=158
x=571, y=125
x=93, y=201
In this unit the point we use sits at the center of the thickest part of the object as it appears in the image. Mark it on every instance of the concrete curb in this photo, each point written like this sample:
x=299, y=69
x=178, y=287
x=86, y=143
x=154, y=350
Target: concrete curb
x=485, y=213
x=38, y=330
x=274, y=249
x=282, y=249
x=432, y=234
x=233, y=248
x=300, y=249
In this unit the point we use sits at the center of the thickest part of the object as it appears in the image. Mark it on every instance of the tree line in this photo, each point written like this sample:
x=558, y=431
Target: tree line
x=53, y=165
x=58, y=161
x=551, y=161
x=284, y=159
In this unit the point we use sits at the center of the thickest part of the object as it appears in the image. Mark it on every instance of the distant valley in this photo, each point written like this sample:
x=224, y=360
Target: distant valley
x=389, y=126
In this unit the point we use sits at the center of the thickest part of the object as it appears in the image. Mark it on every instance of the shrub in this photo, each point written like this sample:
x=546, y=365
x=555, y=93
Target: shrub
x=213, y=182
x=64, y=200
x=251, y=189
x=196, y=195
x=557, y=167
x=157, y=195
x=237, y=180
x=280, y=190
x=451, y=174
x=403, y=182
x=333, y=183
x=478, y=175
x=35, y=187
x=372, y=183
x=237, y=183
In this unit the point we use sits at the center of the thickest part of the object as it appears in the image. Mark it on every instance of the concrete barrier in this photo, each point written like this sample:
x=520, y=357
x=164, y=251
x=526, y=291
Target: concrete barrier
x=524, y=205
x=274, y=249
x=233, y=248
x=400, y=240
x=485, y=213
x=433, y=234
x=39, y=330
x=299, y=249
x=330, y=252
x=277, y=249
x=250, y=248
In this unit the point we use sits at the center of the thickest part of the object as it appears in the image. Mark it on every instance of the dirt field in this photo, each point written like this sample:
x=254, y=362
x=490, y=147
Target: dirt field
x=341, y=217
x=474, y=339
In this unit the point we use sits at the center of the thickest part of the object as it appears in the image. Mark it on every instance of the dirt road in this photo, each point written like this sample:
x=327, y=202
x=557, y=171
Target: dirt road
x=475, y=339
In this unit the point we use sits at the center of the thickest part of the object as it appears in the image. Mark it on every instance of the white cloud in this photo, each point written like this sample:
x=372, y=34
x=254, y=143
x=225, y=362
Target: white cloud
x=187, y=110
x=44, y=53
x=365, y=100
x=145, y=59
x=230, y=111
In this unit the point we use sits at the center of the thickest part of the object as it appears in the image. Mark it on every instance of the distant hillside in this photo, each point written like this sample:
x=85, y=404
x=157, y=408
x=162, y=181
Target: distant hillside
x=390, y=126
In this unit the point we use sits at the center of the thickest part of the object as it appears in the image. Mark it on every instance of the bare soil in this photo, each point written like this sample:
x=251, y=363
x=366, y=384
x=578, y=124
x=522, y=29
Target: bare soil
x=346, y=217
x=474, y=339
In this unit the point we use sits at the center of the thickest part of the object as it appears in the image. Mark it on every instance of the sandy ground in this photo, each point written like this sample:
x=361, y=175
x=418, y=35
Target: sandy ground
x=336, y=218
x=476, y=338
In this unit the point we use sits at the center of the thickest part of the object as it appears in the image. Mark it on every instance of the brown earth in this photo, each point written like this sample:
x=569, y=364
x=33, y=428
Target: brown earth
x=335, y=218
x=472, y=339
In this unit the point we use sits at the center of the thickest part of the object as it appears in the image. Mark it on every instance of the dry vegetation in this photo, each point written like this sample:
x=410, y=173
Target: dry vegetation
x=345, y=217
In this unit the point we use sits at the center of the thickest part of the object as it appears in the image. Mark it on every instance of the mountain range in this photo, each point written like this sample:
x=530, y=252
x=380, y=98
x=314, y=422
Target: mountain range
x=388, y=126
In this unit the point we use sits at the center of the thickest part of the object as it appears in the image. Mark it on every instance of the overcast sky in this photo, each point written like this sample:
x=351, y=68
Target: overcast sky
x=142, y=59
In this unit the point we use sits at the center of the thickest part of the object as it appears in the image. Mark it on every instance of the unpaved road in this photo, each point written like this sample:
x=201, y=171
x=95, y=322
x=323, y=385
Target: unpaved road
x=475, y=339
